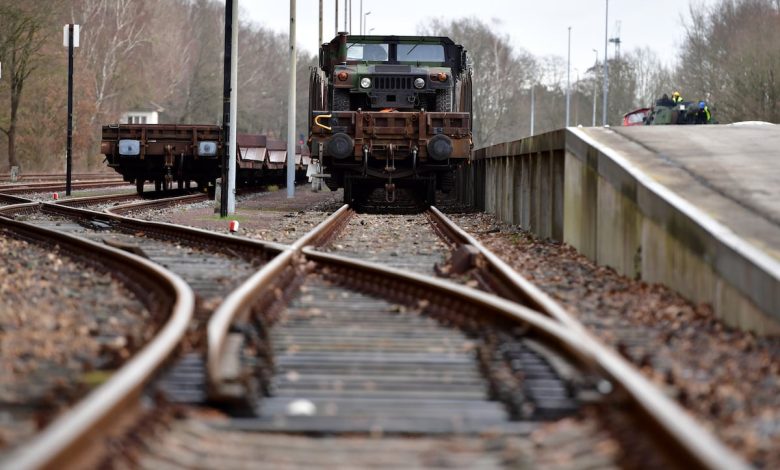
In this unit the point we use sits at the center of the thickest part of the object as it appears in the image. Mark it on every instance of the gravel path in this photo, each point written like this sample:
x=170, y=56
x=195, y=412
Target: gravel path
x=63, y=328
x=729, y=379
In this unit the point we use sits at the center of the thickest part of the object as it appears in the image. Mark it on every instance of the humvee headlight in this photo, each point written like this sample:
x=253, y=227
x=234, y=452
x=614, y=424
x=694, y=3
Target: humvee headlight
x=365, y=82
x=419, y=83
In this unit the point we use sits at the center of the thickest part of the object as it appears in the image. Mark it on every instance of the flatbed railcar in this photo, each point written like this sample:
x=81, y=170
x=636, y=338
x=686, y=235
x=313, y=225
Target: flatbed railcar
x=168, y=153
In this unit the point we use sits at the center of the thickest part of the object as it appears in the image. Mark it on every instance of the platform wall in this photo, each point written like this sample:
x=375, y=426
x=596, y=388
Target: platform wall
x=563, y=185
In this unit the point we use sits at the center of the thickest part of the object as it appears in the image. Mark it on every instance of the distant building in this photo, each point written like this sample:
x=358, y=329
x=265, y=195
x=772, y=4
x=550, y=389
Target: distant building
x=142, y=115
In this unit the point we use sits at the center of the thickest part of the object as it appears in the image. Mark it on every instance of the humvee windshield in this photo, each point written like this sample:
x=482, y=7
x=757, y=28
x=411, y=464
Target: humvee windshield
x=420, y=53
x=372, y=52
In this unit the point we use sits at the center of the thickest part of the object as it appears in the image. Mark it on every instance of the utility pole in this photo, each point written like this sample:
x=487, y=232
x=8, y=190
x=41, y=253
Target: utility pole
x=346, y=16
x=595, y=85
x=360, y=18
x=229, y=64
x=337, y=18
x=291, y=107
x=320, y=43
x=533, y=108
x=71, y=40
x=350, y=16
x=606, y=67
x=568, y=81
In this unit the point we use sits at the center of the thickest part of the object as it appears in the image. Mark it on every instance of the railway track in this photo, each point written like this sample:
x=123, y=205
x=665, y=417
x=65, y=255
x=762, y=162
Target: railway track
x=315, y=343
x=169, y=302
x=24, y=188
x=56, y=177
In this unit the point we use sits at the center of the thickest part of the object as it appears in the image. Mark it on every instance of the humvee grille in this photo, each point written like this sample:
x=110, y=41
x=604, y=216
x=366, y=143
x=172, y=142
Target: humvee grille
x=393, y=83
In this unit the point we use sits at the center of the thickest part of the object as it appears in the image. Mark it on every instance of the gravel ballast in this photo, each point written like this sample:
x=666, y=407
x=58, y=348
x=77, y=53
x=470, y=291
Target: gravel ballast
x=728, y=379
x=64, y=327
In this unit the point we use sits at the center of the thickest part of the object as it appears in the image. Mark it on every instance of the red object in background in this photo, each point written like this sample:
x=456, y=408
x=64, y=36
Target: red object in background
x=55, y=196
x=233, y=226
x=636, y=117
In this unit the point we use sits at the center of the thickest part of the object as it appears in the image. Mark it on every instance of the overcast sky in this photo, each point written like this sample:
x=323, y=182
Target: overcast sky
x=540, y=26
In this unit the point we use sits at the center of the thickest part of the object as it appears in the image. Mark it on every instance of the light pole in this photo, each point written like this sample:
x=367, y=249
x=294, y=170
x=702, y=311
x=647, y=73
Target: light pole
x=568, y=81
x=360, y=18
x=227, y=201
x=606, y=67
x=595, y=85
x=533, y=108
x=336, y=33
x=320, y=43
x=365, y=20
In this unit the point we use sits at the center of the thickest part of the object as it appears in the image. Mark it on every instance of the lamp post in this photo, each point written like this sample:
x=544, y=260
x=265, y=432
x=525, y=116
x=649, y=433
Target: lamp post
x=568, y=81
x=533, y=108
x=365, y=20
x=595, y=85
x=70, y=40
x=606, y=66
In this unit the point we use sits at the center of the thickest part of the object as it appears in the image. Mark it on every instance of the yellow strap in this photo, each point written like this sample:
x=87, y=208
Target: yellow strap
x=317, y=121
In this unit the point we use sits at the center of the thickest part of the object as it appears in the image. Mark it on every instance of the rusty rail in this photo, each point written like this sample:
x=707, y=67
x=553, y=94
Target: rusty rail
x=238, y=303
x=67, y=441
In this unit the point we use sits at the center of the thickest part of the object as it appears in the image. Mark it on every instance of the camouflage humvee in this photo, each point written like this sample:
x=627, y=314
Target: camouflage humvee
x=686, y=112
x=393, y=109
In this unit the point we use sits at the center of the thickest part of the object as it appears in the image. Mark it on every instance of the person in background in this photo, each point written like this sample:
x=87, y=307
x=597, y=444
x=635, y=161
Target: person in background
x=704, y=116
x=676, y=97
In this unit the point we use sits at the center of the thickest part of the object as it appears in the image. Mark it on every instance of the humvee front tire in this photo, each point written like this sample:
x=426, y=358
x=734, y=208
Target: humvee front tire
x=443, y=101
x=340, y=99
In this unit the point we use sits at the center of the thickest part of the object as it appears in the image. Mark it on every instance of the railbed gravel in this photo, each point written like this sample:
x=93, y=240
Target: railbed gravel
x=64, y=326
x=266, y=216
x=730, y=380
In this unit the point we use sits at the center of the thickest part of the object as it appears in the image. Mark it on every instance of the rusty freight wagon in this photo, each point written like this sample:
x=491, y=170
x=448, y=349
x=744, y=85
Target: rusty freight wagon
x=165, y=154
x=390, y=110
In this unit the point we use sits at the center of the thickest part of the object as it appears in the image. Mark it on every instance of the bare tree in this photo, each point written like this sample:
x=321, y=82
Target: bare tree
x=731, y=58
x=21, y=40
x=500, y=76
x=113, y=30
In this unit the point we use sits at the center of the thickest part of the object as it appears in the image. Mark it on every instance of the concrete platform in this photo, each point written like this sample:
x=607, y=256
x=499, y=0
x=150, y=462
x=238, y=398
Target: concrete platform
x=732, y=173
x=696, y=208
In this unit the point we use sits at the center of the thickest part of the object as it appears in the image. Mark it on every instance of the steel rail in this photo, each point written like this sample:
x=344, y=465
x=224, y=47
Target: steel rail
x=57, y=186
x=517, y=287
x=165, y=202
x=10, y=200
x=684, y=439
x=242, y=299
x=673, y=428
x=87, y=200
x=65, y=443
x=669, y=417
x=227, y=243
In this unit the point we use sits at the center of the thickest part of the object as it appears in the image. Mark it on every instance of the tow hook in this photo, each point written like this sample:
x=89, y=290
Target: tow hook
x=390, y=191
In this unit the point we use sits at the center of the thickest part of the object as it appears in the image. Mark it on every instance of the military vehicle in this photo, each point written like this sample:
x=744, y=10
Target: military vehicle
x=667, y=112
x=393, y=110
